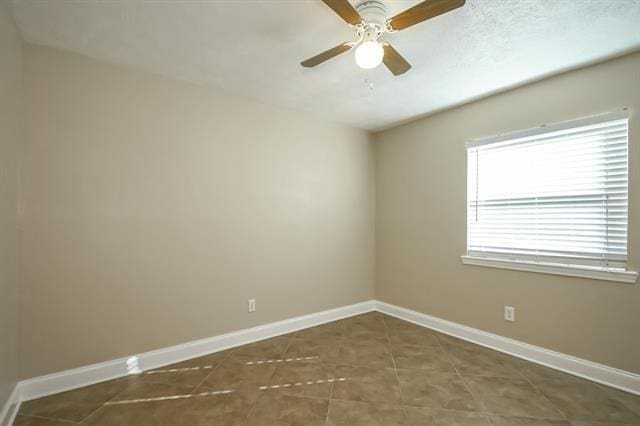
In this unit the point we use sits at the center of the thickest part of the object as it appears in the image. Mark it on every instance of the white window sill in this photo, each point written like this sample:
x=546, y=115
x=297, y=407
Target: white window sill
x=554, y=268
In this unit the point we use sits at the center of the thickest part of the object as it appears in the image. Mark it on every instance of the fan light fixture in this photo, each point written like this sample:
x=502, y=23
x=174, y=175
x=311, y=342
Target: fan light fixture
x=368, y=20
x=369, y=54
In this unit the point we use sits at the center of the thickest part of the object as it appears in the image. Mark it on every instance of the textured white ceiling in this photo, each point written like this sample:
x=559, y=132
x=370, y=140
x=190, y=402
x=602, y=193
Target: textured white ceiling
x=253, y=48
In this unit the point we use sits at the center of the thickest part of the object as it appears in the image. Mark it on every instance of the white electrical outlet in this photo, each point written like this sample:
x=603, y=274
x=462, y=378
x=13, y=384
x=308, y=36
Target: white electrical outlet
x=509, y=313
x=251, y=305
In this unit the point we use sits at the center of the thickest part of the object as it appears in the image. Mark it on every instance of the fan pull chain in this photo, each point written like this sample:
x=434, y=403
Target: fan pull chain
x=369, y=80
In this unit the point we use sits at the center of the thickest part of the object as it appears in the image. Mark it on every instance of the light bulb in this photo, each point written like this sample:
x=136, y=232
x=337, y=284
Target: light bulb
x=369, y=54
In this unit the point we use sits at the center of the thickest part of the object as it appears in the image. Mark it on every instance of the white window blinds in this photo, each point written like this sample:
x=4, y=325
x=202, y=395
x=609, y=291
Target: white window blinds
x=553, y=195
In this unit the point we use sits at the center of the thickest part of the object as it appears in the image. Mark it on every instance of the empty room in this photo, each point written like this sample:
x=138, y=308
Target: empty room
x=320, y=212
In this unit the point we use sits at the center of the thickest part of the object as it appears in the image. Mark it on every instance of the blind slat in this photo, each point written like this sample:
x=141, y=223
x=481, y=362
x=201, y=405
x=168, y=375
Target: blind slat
x=559, y=196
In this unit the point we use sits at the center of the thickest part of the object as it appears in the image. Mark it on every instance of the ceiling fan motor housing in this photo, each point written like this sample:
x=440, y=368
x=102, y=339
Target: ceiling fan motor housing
x=372, y=12
x=369, y=21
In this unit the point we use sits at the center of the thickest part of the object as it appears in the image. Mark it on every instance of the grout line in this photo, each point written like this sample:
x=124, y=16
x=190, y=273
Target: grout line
x=395, y=369
x=488, y=413
x=33, y=416
x=537, y=389
x=520, y=376
x=570, y=421
x=326, y=422
x=489, y=420
x=393, y=360
x=342, y=329
x=253, y=406
x=475, y=399
x=211, y=372
x=106, y=402
x=286, y=348
x=190, y=393
x=564, y=416
x=260, y=394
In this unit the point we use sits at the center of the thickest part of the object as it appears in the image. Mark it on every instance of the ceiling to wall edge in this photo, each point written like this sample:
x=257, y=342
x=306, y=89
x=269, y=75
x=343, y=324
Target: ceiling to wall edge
x=548, y=76
x=375, y=131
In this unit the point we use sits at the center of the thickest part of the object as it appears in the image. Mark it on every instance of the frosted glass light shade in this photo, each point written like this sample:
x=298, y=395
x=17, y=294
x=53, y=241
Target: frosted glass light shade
x=369, y=54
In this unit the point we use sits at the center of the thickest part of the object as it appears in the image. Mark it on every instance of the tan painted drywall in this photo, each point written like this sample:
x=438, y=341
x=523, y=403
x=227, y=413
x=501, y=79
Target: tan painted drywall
x=10, y=126
x=421, y=223
x=153, y=209
x=170, y=205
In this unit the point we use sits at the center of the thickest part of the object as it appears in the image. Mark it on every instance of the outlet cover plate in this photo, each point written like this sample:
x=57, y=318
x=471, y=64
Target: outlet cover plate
x=509, y=313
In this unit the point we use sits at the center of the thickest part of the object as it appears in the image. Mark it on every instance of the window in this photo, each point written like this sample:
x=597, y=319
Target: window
x=553, y=199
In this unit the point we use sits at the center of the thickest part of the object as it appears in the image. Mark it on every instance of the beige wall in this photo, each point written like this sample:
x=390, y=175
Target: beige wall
x=421, y=223
x=153, y=209
x=10, y=125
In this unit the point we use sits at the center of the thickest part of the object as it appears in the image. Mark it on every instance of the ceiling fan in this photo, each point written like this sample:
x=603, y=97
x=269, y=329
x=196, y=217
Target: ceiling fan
x=368, y=21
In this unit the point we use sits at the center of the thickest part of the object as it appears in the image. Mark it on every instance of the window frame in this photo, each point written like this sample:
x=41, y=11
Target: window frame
x=523, y=264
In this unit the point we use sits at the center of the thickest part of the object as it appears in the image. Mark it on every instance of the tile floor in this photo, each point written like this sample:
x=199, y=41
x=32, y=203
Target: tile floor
x=368, y=370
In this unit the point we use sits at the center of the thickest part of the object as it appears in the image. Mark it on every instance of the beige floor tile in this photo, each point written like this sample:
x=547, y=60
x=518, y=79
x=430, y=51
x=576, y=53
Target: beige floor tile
x=392, y=323
x=164, y=382
x=526, y=421
x=352, y=413
x=630, y=401
x=187, y=376
x=204, y=363
x=367, y=354
x=74, y=405
x=39, y=421
x=432, y=358
x=436, y=390
x=331, y=330
x=438, y=417
x=222, y=409
x=510, y=396
x=154, y=390
x=536, y=372
x=265, y=349
x=240, y=372
x=415, y=337
x=324, y=349
x=366, y=384
x=152, y=413
x=584, y=400
x=278, y=409
x=303, y=379
x=481, y=361
x=596, y=423
x=364, y=336
x=367, y=327
x=364, y=343
x=448, y=342
x=371, y=369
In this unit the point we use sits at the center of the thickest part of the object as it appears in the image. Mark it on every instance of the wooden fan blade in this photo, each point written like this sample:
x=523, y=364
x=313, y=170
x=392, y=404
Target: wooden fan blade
x=326, y=55
x=344, y=9
x=423, y=11
x=394, y=60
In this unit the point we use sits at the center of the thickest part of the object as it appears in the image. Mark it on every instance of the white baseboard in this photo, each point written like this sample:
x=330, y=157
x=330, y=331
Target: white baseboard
x=11, y=406
x=599, y=373
x=42, y=386
x=84, y=376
